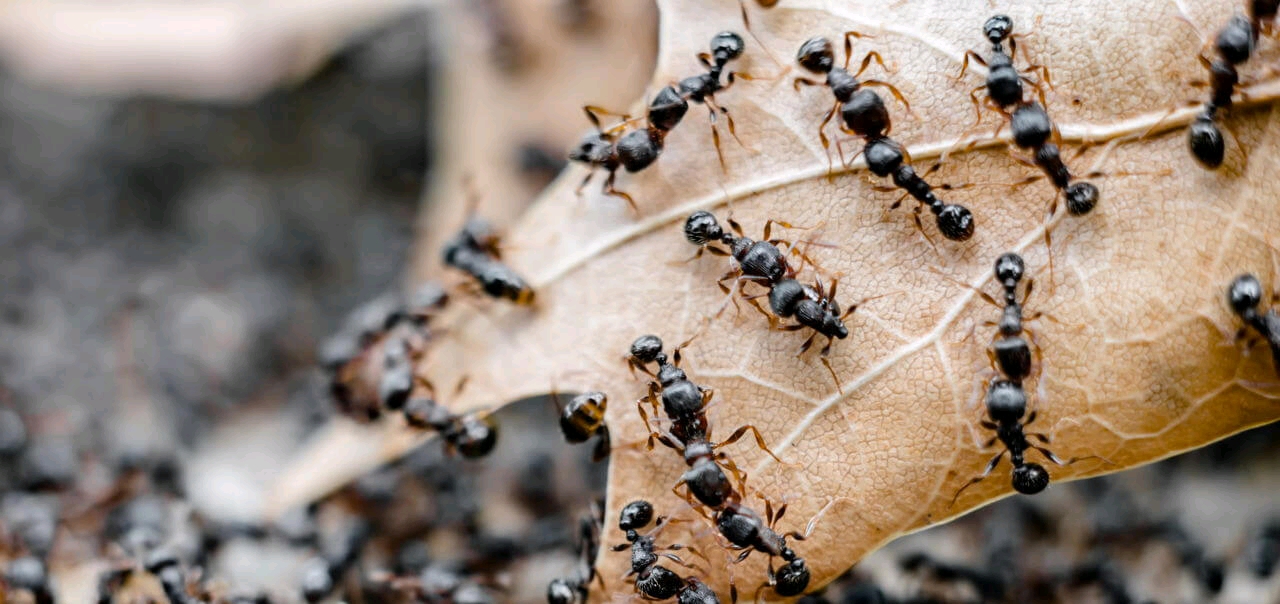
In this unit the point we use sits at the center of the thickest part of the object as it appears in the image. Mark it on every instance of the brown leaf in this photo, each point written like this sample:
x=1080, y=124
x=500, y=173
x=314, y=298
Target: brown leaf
x=1140, y=363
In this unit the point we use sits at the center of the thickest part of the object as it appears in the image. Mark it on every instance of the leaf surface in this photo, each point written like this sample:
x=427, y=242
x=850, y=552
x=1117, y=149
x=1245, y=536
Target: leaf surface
x=1138, y=363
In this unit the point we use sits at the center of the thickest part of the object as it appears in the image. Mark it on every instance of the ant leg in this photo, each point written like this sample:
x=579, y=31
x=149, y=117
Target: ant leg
x=715, y=137
x=822, y=136
x=594, y=112
x=991, y=466
x=798, y=82
x=848, y=46
x=897, y=94
x=733, y=129
x=807, y=343
x=866, y=61
x=977, y=105
x=977, y=58
x=742, y=431
x=609, y=190
x=586, y=180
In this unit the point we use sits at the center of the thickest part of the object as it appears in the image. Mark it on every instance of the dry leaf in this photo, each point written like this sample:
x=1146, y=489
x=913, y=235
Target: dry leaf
x=1140, y=363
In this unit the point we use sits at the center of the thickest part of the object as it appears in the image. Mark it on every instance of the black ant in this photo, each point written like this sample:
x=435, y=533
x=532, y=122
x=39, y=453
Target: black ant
x=474, y=250
x=574, y=590
x=763, y=262
x=863, y=114
x=746, y=530
x=1234, y=45
x=635, y=150
x=702, y=88
x=1245, y=295
x=654, y=581
x=473, y=434
x=684, y=403
x=583, y=418
x=1028, y=120
x=1006, y=404
x=1010, y=352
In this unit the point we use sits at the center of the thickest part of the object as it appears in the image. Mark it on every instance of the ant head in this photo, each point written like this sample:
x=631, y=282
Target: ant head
x=817, y=55
x=955, y=222
x=997, y=28
x=792, y=578
x=477, y=436
x=635, y=515
x=1030, y=478
x=702, y=227
x=1009, y=269
x=638, y=149
x=646, y=348
x=727, y=45
x=831, y=324
x=560, y=592
x=1006, y=401
x=1245, y=293
x=594, y=149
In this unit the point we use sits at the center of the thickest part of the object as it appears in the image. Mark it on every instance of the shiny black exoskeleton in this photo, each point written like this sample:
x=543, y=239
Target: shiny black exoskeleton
x=473, y=434
x=702, y=88
x=746, y=530
x=1244, y=296
x=683, y=403
x=1028, y=120
x=574, y=590
x=1010, y=350
x=1234, y=45
x=634, y=149
x=760, y=261
x=863, y=113
x=1006, y=404
x=583, y=418
x=652, y=580
x=474, y=251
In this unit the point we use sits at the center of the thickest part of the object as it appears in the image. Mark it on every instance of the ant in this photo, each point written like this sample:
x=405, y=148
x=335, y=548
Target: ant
x=474, y=250
x=702, y=88
x=473, y=435
x=746, y=530
x=1006, y=404
x=654, y=581
x=863, y=114
x=1234, y=45
x=763, y=262
x=583, y=418
x=1244, y=295
x=574, y=590
x=635, y=150
x=690, y=434
x=1010, y=352
x=1028, y=120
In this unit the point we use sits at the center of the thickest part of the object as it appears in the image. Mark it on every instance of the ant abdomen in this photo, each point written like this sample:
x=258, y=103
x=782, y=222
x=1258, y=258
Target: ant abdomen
x=786, y=295
x=638, y=149
x=955, y=222
x=667, y=109
x=1245, y=293
x=792, y=578
x=1030, y=478
x=1030, y=125
x=1013, y=355
x=1206, y=142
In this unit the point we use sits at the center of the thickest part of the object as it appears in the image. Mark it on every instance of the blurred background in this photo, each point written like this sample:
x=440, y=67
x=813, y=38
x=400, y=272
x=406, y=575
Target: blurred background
x=194, y=196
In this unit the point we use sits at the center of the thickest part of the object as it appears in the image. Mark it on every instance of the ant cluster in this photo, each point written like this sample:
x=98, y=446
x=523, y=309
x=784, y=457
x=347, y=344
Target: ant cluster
x=372, y=362
x=1234, y=44
x=635, y=149
x=684, y=404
